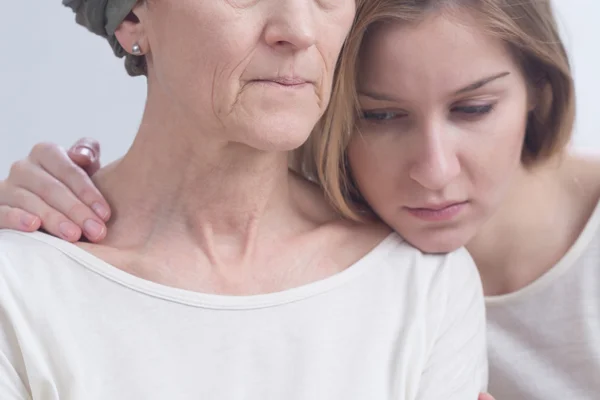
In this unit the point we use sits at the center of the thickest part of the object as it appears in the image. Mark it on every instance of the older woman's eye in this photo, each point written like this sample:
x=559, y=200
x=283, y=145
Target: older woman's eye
x=474, y=110
x=381, y=115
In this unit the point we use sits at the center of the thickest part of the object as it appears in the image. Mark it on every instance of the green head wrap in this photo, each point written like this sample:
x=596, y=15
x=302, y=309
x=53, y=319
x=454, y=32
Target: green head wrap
x=102, y=17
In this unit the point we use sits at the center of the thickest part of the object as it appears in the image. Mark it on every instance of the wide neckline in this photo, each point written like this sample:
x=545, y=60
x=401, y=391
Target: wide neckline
x=216, y=301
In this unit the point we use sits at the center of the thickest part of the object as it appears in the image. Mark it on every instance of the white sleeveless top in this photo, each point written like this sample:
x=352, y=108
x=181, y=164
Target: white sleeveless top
x=398, y=324
x=544, y=340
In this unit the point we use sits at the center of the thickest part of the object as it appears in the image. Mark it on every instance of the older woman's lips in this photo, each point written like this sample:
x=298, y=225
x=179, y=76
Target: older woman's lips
x=437, y=213
x=285, y=82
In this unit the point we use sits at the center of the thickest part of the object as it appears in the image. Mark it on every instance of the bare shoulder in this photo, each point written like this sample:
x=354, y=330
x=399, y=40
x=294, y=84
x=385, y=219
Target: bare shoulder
x=314, y=206
x=581, y=175
x=340, y=240
x=359, y=238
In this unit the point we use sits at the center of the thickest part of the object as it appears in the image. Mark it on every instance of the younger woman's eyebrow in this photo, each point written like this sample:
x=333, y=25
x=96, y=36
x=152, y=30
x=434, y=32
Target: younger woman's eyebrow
x=469, y=88
x=481, y=83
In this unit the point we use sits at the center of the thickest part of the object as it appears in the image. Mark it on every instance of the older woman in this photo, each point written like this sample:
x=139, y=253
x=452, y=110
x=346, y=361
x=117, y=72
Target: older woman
x=223, y=274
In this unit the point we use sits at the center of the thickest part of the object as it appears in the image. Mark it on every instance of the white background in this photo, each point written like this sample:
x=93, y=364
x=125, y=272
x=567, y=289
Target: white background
x=58, y=82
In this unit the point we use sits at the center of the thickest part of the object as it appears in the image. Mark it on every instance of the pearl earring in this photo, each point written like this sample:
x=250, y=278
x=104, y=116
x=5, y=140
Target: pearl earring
x=136, y=50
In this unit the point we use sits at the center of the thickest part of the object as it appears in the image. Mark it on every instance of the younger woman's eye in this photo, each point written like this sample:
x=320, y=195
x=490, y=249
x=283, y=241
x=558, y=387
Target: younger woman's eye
x=474, y=110
x=381, y=115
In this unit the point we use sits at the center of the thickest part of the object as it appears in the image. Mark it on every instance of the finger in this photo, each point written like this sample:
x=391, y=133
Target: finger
x=86, y=153
x=485, y=396
x=52, y=221
x=56, y=195
x=17, y=219
x=55, y=162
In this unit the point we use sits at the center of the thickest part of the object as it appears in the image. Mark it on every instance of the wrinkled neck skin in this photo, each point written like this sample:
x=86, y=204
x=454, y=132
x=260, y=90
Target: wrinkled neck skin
x=546, y=209
x=183, y=188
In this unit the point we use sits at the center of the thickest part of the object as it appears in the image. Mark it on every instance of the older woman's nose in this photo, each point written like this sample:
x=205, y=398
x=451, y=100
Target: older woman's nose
x=292, y=25
x=435, y=163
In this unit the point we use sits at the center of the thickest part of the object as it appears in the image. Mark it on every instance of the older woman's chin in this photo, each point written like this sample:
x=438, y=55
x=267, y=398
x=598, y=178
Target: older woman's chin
x=278, y=132
x=272, y=117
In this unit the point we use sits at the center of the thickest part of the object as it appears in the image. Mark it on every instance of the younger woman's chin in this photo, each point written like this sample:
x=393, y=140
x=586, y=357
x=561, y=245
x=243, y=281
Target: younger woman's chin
x=439, y=242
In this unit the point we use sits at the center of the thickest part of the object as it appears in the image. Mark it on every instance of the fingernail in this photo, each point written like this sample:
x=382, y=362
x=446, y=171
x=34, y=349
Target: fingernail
x=100, y=211
x=84, y=151
x=68, y=230
x=93, y=229
x=28, y=221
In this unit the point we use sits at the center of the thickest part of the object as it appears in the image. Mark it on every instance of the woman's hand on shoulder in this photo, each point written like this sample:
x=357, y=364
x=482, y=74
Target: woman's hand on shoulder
x=51, y=189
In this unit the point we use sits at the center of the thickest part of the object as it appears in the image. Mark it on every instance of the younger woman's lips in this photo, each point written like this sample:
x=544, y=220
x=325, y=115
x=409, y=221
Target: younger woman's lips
x=440, y=213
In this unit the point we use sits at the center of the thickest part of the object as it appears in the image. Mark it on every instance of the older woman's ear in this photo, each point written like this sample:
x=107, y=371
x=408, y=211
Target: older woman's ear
x=131, y=33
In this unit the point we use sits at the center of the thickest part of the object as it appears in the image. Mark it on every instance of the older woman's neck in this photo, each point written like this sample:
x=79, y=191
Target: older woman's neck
x=177, y=181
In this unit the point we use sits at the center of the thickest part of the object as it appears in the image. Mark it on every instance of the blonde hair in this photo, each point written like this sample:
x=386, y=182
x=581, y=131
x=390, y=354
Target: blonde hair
x=529, y=29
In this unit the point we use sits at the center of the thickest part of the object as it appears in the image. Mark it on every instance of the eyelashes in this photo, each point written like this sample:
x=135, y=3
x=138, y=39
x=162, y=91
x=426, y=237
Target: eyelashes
x=380, y=115
x=472, y=111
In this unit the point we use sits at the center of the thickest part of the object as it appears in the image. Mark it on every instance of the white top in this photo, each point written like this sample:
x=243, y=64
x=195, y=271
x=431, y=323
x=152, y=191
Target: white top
x=396, y=325
x=544, y=340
